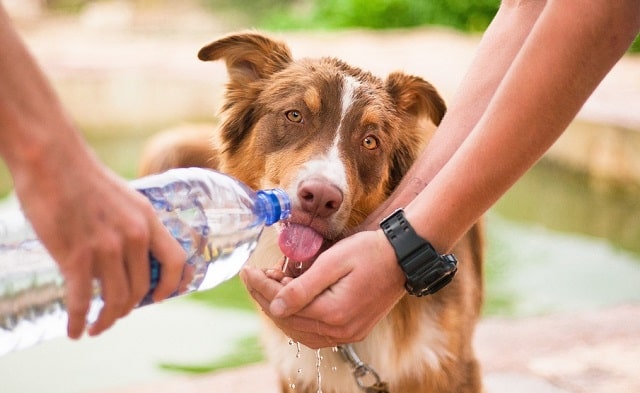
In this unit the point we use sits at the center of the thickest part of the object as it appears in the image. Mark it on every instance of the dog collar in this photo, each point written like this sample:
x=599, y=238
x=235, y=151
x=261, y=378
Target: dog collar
x=426, y=271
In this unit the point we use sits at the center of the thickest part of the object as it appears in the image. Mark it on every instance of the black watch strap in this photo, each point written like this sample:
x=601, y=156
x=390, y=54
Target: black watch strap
x=426, y=270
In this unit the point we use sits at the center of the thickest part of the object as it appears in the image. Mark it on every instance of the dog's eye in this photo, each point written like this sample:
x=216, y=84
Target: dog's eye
x=370, y=143
x=294, y=116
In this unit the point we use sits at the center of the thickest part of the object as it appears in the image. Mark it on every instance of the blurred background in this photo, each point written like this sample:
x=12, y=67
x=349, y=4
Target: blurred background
x=565, y=238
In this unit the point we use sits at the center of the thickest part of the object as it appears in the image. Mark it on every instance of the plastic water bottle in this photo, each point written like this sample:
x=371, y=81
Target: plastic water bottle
x=215, y=218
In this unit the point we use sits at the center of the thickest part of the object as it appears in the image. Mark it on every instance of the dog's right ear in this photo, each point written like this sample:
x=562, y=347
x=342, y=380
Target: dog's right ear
x=248, y=56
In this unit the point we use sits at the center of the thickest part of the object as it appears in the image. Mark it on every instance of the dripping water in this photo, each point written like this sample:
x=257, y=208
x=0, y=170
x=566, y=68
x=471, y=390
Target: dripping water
x=318, y=364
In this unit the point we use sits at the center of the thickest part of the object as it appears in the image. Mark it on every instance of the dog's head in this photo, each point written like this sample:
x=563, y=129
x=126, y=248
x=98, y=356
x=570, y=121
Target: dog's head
x=335, y=137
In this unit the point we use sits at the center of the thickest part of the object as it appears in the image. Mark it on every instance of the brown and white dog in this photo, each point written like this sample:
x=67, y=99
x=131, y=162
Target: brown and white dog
x=338, y=140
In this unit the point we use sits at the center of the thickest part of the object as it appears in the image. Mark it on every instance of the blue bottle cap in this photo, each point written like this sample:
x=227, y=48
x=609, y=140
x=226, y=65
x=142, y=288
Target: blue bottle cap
x=274, y=205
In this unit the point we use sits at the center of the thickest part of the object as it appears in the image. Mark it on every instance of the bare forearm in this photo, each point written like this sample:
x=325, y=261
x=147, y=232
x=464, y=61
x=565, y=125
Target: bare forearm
x=499, y=45
x=569, y=51
x=29, y=108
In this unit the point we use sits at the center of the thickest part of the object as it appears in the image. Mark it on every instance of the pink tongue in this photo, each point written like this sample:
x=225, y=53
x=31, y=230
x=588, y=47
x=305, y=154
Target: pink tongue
x=298, y=242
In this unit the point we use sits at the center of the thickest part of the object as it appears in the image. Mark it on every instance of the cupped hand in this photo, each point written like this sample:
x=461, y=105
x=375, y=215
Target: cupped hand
x=349, y=288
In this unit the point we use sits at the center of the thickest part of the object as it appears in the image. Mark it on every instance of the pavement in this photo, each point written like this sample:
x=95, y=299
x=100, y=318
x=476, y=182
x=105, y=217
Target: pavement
x=585, y=352
x=596, y=350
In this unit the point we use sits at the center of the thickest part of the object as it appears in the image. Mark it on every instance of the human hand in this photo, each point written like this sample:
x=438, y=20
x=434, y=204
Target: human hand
x=348, y=289
x=97, y=227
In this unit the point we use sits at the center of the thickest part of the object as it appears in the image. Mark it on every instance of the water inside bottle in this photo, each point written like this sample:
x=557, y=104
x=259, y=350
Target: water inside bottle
x=31, y=297
x=217, y=240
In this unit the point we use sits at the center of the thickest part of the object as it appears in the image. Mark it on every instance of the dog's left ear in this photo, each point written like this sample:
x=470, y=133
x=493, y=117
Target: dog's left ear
x=414, y=97
x=416, y=100
x=248, y=56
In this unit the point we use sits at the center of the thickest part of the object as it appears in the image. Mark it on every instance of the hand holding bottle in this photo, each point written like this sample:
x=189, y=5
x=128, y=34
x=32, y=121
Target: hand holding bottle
x=215, y=218
x=92, y=223
x=96, y=227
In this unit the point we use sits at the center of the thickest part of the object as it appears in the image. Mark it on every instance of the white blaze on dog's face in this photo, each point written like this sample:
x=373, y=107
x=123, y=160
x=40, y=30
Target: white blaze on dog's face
x=322, y=133
x=321, y=183
x=336, y=138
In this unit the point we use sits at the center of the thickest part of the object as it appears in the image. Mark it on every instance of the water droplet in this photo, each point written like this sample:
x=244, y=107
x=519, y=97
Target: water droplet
x=318, y=364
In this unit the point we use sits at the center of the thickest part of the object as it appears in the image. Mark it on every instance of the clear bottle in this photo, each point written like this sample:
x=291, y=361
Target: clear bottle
x=215, y=218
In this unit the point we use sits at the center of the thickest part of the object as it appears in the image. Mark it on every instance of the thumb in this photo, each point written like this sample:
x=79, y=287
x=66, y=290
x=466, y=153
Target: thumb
x=300, y=292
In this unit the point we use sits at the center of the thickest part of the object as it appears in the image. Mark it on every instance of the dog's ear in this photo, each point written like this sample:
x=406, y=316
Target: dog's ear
x=248, y=56
x=414, y=97
x=416, y=100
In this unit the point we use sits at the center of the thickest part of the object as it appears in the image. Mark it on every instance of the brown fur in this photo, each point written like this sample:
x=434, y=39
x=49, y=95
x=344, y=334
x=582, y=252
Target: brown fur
x=279, y=115
x=179, y=147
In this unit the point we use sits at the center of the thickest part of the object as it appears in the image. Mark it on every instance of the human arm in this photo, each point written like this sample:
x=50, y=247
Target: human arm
x=567, y=54
x=90, y=221
x=547, y=63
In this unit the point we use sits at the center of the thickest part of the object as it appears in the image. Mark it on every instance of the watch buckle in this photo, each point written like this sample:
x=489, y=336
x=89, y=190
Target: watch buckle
x=440, y=276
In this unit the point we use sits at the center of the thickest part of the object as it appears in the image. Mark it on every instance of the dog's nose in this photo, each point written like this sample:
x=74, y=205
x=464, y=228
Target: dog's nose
x=319, y=197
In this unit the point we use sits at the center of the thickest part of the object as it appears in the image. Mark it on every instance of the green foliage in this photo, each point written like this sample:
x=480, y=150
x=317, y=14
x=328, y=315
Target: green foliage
x=66, y=6
x=382, y=14
x=465, y=15
x=6, y=184
x=635, y=47
x=229, y=294
x=248, y=351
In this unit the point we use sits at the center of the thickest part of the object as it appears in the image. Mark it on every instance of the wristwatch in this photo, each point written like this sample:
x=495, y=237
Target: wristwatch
x=427, y=271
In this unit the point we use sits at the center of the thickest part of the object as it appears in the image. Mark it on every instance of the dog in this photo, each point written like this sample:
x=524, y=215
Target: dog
x=339, y=140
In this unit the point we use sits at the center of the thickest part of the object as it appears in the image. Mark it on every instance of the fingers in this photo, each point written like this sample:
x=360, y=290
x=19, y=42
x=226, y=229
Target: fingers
x=333, y=302
x=299, y=293
x=124, y=271
x=114, y=285
x=136, y=261
x=263, y=286
x=78, y=298
x=171, y=257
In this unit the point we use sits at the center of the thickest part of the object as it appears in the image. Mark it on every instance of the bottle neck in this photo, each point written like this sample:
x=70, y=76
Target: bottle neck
x=273, y=205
